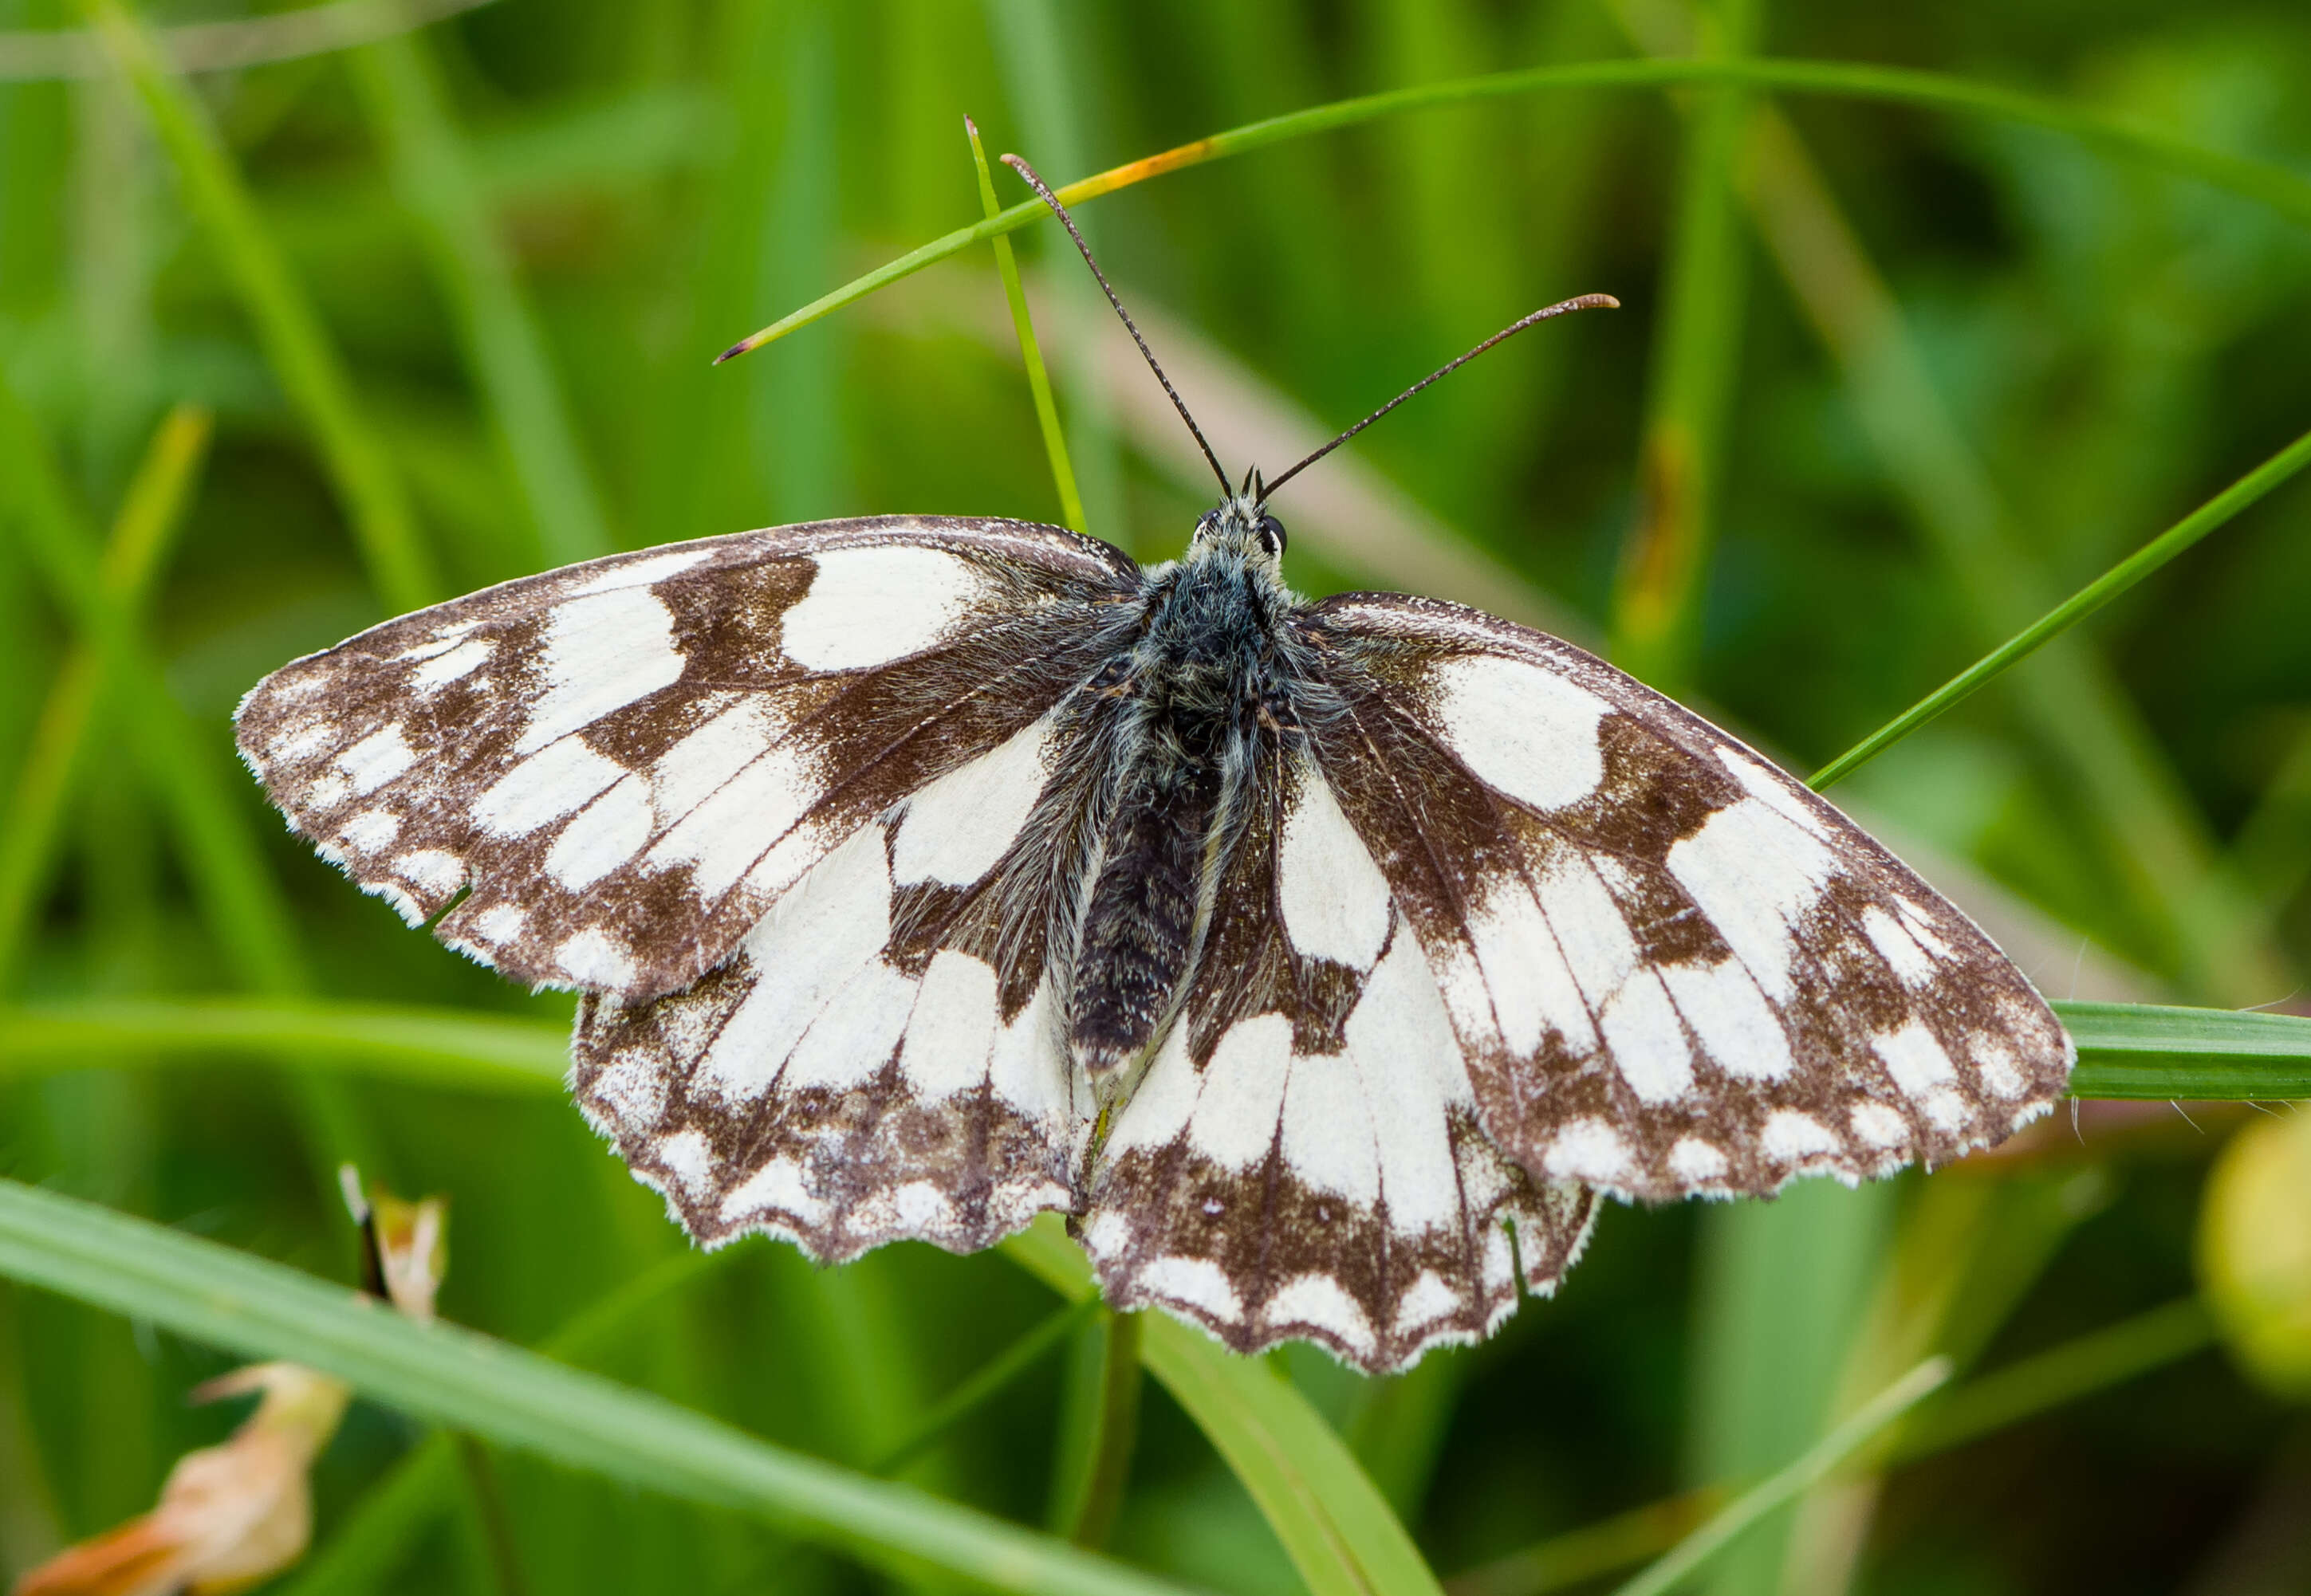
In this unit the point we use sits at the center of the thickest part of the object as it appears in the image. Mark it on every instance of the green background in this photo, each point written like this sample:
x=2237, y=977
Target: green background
x=1880, y=433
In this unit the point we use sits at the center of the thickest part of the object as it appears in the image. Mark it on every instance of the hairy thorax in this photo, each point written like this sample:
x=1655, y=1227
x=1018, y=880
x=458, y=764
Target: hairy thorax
x=1186, y=714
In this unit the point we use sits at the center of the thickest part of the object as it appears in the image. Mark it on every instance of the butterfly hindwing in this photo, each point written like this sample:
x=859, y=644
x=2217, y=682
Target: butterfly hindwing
x=1672, y=968
x=1302, y=1158
x=880, y=1060
x=611, y=771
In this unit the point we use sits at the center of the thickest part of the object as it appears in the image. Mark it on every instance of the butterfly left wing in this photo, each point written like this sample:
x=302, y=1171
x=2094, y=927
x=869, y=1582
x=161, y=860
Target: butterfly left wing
x=601, y=778
x=1303, y=1157
x=1673, y=969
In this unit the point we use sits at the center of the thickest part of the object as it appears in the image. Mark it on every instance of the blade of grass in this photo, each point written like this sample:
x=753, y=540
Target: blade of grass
x=2093, y=596
x=219, y=851
x=2265, y=182
x=1332, y=1522
x=1779, y=1297
x=1039, y=381
x=1034, y=50
x=432, y=172
x=295, y=343
x=2164, y=878
x=2062, y=1374
x=386, y=1525
x=1789, y=1483
x=2147, y=1051
x=150, y=516
x=424, y=1046
x=2271, y=852
x=2020, y=1391
x=995, y=1376
x=2126, y=1049
x=1579, y=1555
x=1696, y=359
x=30, y=56
x=1099, y=1423
x=516, y=1398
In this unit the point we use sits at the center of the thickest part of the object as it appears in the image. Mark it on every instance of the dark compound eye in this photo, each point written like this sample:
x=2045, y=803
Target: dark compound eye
x=1206, y=522
x=1271, y=535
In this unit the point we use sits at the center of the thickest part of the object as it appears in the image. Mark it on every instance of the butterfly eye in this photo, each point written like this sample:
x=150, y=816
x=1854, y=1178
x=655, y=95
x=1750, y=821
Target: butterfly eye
x=1271, y=535
x=1206, y=522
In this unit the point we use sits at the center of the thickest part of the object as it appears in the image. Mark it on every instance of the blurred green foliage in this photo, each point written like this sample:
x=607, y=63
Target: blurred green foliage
x=451, y=298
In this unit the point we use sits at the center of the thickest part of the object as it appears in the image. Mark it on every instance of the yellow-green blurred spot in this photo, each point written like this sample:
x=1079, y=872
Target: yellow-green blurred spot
x=2254, y=1251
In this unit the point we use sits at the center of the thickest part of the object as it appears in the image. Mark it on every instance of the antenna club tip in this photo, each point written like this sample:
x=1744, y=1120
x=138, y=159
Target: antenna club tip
x=1604, y=302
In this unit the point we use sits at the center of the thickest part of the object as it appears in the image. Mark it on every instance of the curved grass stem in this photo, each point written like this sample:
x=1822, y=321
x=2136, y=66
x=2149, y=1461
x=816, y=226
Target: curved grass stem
x=2265, y=182
x=1039, y=379
x=150, y=515
x=2093, y=596
x=1788, y=1484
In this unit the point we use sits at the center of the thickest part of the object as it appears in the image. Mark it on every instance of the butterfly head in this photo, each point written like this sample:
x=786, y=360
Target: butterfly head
x=1241, y=523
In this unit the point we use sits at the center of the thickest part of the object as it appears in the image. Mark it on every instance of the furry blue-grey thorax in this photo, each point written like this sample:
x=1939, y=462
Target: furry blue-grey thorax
x=1186, y=717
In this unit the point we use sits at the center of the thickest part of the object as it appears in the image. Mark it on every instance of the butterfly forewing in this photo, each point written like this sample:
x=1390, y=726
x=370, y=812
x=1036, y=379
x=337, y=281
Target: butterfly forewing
x=1671, y=967
x=613, y=770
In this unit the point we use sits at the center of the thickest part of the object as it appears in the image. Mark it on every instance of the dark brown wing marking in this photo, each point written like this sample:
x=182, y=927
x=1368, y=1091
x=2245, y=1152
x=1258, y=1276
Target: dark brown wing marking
x=1671, y=967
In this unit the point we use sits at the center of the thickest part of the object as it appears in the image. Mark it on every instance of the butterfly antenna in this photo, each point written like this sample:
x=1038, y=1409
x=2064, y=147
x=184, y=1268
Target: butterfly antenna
x=1043, y=192
x=1586, y=302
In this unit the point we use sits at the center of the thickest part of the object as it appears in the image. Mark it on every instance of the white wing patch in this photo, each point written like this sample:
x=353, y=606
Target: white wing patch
x=1373, y=1146
x=870, y=606
x=957, y=828
x=1530, y=732
x=1334, y=900
x=814, y=1089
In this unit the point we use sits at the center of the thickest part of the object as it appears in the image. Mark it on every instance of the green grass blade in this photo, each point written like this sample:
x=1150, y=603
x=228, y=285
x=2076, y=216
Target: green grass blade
x=1579, y=1555
x=1040, y=60
x=219, y=850
x=150, y=516
x=432, y=172
x=2162, y=882
x=34, y=56
x=306, y=363
x=1331, y=1520
x=2144, y=1050
x=1695, y=363
x=2265, y=182
x=2126, y=1049
x=519, y=1398
x=2077, y=1368
x=2020, y=1391
x=995, y=1376
x=393, y=1514
x=1039, y=380
x=2081, y=605
x=424, y=1046
x=1789, y=1483
x=1099, y=1426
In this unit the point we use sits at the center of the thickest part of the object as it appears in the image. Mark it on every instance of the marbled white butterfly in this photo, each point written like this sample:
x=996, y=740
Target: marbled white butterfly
x=1325, y=962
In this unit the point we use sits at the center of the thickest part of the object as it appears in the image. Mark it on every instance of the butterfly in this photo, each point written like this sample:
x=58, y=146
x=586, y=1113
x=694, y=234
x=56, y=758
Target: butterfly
x=1325, y=963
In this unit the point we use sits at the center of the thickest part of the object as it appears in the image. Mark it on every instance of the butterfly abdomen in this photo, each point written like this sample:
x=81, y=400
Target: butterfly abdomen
x=1187, y=701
